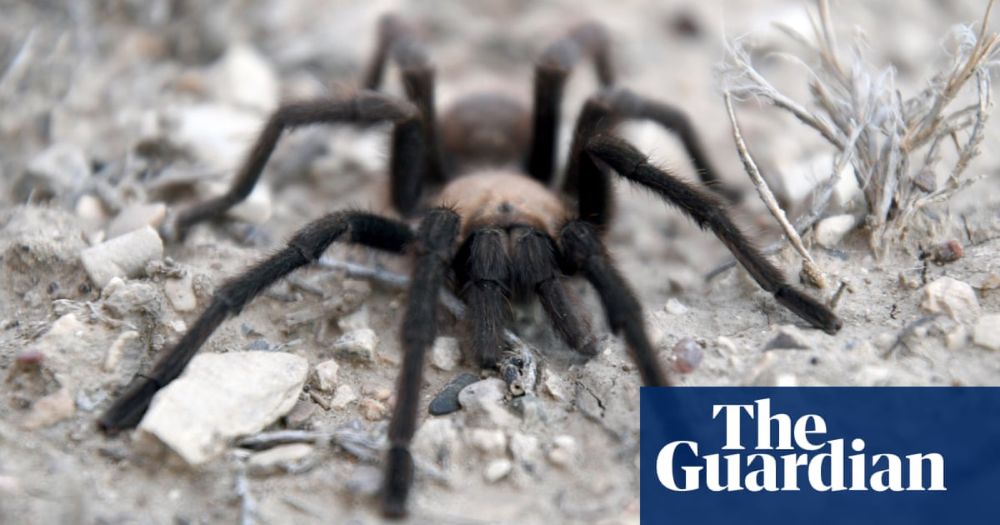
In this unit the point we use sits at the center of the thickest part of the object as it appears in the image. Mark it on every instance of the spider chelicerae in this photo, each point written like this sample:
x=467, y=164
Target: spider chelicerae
x=479, y=183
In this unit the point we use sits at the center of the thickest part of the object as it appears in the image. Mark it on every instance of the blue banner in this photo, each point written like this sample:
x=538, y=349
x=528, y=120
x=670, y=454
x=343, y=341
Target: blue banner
x=714, y=455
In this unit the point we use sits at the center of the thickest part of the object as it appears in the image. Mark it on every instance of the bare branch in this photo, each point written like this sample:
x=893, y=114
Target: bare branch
x=808, y=264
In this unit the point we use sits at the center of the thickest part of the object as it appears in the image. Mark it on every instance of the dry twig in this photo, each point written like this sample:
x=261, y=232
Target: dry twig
x=875, y=129
x=809, y=267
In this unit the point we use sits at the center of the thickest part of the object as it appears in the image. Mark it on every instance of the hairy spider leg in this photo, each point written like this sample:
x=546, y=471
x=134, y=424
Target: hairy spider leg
x=585, y=253
x=602, y=112
x=365, y=107
x=552, y=69
x=399, y=41
x=535, y=263
x=709, y=212
x=484, y=271
x=434, y=248
x=305, y=247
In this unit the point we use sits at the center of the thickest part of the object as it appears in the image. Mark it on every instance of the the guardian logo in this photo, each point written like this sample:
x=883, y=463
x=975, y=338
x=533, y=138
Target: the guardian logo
x=791, y=455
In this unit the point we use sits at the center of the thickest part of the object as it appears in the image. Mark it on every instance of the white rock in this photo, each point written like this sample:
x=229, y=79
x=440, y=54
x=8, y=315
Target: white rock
x=372, y=409
x=563, y=451
x=136, y=216
x=358, y=345
x=556, y=386
x=325, y=375
x=786, y=379
x=487, y=441
x=343, y=396
x=872, y=375
x=483, y=401
x=117, y=350
x=50, y=409
x=957, y=338
x=489, y=391
x=675, y=307
x=831, y=230
x=222, y=396
x=787, y=337
x=952, y=297
x=180, y=293
x=59, y=171
x=356, y=320
x=278, y=459
x=245, y=78
x=435, y=440
x=526, y=449
x=219, y=135
x=445, y=355
x=726, y=344
x=123, y=256
x=497, y=470
x=90, y=209
x=987, y=332
x=257, y=207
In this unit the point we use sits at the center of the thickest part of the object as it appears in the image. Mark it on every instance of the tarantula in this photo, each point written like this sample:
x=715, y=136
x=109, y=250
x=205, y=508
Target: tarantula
x=480, y=182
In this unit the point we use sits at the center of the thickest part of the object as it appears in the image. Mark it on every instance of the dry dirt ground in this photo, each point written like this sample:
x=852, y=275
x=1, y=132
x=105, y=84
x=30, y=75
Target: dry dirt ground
x=141, y=94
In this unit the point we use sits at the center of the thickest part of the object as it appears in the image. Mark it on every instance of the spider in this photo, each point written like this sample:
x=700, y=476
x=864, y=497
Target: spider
x=479, y=183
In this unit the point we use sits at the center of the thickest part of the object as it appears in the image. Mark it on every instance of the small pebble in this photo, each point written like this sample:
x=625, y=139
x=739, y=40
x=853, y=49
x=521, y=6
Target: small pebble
x=180, y=293
x=372, y=410
x=343, y=396
x=952, y=297
x=50, y=410
x=957, y=338
x=59, y=171
x=786, y=379
x=563, y=450
x=726, y=344
x=556, y=386
x=244, y=78
x=687, y=355
x=446, y=401
x=675, y=307
x=123, y=256
x=435, y=439
x=117, y=350
x=445, y=355
x=497, y=470
x=90, y=209
x=483, y=401
x=301, y=415
x=357, y=345
x=486, y=392
x=256, y=208
x=831, y=230
x=946, y=252
x=489, y=442
x=325, y=375
x=987, y=332
x=136, y=216
x=787, y=338
x=525, y=448
x=278, y=459
x=356, y=320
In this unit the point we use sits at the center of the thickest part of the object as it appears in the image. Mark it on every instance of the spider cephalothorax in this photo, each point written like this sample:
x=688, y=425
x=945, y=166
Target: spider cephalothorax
x=480, y=183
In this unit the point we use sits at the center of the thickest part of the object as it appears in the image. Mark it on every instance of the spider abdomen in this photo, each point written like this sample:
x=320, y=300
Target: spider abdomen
x=503, y=199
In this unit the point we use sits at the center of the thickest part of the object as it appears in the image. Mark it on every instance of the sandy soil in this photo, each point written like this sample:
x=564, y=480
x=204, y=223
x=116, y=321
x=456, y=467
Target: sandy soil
x=111, y=78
